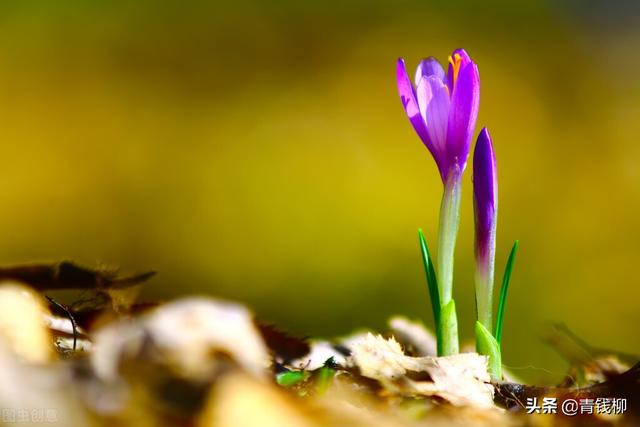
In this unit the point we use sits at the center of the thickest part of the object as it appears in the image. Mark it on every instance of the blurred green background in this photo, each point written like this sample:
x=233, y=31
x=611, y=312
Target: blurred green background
x=258, y=151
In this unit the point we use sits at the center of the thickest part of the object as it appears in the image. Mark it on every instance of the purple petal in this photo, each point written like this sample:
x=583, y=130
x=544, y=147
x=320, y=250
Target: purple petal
x=429, y=67
x=434, y=102
x=485, y=195
x=424, y=95
x=409, y=102
x=463, y=113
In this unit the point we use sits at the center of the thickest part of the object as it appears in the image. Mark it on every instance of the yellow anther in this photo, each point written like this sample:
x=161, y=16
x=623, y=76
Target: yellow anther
x=455, y=64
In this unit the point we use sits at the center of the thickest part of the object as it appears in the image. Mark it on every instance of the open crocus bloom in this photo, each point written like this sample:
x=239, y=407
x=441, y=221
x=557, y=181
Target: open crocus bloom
x=443, y=108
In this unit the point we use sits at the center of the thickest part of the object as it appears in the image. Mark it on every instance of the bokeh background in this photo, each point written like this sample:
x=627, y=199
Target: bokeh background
x=258, y=151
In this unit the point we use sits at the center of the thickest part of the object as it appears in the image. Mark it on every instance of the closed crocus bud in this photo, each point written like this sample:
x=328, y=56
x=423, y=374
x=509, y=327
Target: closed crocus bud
x=485, y=202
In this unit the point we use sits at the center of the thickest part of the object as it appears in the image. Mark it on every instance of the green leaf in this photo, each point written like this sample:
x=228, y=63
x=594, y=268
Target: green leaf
x=431, y=278
x=324, y=378
x=503, y=291
x=487, y=345
x=290, y=378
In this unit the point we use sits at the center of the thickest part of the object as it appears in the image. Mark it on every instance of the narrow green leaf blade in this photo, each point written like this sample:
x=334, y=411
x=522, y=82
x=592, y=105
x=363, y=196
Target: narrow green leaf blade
x=504, y=290
x=431, y=277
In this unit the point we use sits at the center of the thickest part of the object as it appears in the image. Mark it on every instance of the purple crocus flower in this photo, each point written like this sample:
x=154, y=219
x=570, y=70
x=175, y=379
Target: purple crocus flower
x=443, y=107
x=485, y=199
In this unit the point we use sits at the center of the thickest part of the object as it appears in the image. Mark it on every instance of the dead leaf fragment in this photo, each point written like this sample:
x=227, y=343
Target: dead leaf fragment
x=22, y=326
x=460, y=379
x=239, y=400
x=414, y=335
x=186, y=336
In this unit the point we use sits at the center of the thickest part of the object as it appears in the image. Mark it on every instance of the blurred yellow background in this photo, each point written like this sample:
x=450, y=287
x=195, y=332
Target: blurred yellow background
x=259, y=151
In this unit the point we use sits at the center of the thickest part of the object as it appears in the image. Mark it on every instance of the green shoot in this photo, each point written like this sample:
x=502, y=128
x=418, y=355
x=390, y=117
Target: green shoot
x=447, y=330
x=486, y=344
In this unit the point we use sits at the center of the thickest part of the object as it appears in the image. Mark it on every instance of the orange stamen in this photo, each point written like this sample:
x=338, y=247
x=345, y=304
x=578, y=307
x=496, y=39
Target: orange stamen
x=455, y=64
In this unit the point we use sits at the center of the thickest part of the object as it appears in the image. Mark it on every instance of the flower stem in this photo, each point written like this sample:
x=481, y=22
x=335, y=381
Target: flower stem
x=449, y=221
x=484, y=295
x=448, y=231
